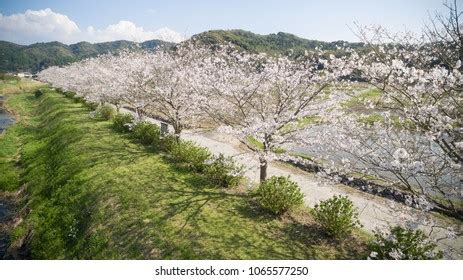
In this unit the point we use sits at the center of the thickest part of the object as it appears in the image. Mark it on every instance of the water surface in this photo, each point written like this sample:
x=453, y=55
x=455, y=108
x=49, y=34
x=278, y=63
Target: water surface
x=6, y=119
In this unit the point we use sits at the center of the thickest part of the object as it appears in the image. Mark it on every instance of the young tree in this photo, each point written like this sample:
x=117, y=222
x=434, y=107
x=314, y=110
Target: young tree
x=270, y=99
x=169, y=91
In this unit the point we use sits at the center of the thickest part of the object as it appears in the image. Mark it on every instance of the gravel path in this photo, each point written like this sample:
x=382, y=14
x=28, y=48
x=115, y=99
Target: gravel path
x=375, y=212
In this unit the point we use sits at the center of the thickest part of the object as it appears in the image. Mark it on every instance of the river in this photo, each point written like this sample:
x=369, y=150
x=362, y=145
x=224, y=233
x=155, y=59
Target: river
x=6, y=119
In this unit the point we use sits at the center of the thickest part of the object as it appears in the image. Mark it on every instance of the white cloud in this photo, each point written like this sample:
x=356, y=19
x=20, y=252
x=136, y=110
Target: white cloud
x=127, y=30
x=46, y=25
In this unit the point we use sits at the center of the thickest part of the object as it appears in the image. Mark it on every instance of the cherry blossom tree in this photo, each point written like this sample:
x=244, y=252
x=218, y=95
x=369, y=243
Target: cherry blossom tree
x=417, y=140
x=169, y=91
x=270, y=99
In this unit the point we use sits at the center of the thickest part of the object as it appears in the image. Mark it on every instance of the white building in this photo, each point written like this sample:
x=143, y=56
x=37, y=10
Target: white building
x=24, y=75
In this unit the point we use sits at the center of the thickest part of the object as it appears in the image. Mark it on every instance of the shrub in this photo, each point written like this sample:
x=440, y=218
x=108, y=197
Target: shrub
x=121, y=122
x=78, y=99
x=105, y=112
x=146, y=133
x=403, y=244
x=337, y=215
x=193, y=156
x=38, y=93
x=224, y=172
x=91, y=105
x=279, y=194
x=69, y=94
x=168, y=142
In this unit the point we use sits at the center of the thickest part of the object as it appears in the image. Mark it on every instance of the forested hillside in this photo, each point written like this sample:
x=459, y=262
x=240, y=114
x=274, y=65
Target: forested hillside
x=36, y=57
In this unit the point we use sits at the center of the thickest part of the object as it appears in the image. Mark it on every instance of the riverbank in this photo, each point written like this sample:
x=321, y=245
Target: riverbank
x=94, y=193
x=375, y=212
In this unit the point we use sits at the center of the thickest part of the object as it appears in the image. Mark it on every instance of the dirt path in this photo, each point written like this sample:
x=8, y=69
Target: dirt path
x=375, y=212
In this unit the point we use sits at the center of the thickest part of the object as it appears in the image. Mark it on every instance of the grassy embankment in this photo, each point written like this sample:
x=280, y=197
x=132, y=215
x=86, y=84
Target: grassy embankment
x=94, y=193
x=10, y=142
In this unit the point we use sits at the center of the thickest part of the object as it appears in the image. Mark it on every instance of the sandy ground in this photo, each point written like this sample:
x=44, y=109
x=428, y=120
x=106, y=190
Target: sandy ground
x=375, y=212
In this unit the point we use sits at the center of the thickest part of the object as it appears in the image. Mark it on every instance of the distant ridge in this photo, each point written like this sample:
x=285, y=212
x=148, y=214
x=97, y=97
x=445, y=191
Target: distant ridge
x=35, y=57
x=279, y=43
x=38, y=56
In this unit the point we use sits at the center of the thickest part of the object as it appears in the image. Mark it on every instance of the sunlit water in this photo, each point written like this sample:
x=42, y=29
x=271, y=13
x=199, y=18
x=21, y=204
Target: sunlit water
x=6, y=119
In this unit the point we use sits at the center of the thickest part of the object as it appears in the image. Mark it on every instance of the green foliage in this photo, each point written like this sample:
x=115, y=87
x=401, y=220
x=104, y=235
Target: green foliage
x=223, y=172
x=338, y=216
x=105, y=112
x=69, y=94
x=38, y=93
x=279, y=194
x=191, y=155
x=403, y=244
x=122, y=122
x=147, y=133
x=91, y=105
x=168, y=142
x=273, y=44
x=39, y=56
x=8, y=77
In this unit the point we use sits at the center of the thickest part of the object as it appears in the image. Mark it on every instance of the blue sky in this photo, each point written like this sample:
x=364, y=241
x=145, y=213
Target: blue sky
x=322, y=20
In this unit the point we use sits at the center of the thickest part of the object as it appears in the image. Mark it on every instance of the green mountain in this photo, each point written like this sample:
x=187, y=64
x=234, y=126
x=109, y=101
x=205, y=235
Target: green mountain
x=280, y=43
x=35, y=57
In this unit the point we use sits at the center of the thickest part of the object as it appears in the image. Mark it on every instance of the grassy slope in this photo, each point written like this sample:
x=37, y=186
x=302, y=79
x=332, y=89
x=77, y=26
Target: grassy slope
x=93, y=193
x=11, y=141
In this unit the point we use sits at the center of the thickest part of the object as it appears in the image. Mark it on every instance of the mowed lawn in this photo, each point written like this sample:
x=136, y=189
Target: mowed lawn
x=93, y=193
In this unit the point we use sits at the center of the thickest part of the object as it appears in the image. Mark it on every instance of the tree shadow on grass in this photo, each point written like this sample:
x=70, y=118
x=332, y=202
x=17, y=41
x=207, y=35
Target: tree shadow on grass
x=183, y=202
x=312, y=234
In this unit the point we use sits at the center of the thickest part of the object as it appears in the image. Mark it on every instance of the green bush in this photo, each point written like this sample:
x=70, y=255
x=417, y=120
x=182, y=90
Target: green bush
x=105, y=112
x=223, y=172
x=91, y=105
x=121, y=122
x=78, y=99
x=338, y=216
x=69, y=94
x=168, y=142
x=193, y=156
x=403, y=244
x=38, y=93
x=279, y=194
x=147, y=133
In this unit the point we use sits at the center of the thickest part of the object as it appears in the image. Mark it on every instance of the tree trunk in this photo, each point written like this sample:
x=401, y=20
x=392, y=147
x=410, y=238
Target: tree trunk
x=263, y=170
x=177, y=131
x=177, y=126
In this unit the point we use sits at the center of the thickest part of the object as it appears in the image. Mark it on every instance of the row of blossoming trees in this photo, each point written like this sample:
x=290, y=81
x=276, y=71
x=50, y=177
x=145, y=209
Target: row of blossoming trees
x=417, y=143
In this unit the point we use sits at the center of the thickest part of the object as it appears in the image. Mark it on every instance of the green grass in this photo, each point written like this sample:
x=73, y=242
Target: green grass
x=10, y=141
x=253, y=142
x=9, y=149
x=370, y=94
x=371, y=119
x=95, y=194
x=16, y=86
